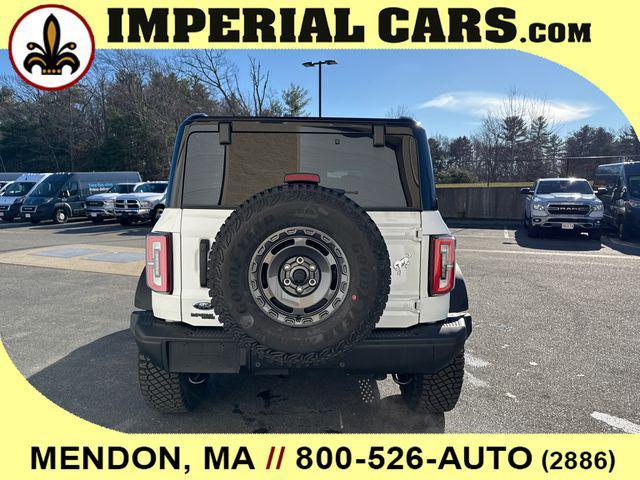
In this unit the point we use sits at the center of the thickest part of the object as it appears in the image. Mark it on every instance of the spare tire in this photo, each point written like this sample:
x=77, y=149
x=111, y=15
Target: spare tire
x=299, y=274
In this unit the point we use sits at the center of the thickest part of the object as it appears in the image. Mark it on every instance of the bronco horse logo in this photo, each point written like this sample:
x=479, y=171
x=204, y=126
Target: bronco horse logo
x=50, y=56
x=402, y=263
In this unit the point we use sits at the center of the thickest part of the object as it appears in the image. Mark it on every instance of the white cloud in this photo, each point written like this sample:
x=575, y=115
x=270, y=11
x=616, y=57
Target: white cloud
x=480, y=104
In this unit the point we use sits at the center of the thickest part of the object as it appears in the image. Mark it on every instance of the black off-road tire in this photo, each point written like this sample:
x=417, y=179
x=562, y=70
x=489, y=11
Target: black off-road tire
x=437, y=393
x=168, y=392
x=283, y=207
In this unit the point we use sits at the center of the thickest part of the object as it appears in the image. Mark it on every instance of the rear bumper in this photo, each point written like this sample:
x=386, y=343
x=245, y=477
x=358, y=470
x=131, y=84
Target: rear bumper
x=178, y=347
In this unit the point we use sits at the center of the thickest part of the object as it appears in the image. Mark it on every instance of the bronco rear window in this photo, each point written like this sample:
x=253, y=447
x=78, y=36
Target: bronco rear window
x=376, y=177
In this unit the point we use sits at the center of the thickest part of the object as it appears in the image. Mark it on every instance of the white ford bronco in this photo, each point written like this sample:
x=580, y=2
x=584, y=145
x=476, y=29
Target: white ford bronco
x=292, y=243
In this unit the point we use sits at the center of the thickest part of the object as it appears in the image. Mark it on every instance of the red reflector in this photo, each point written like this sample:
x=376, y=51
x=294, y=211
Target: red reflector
x=443, y=265
x=158, y=262
x=302, y=178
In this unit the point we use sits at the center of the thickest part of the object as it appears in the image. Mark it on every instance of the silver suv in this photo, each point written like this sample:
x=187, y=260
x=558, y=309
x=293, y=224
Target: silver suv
x=562, y=204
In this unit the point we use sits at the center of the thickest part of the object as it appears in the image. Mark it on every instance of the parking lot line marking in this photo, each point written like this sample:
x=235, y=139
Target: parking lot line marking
x=616, y=422
x=475, y=381
x=475, y=361
x=551, y=254
x=506, y=232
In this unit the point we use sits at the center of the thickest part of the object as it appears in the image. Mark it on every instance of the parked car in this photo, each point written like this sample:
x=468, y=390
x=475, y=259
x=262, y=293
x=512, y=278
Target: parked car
x=61, y=196
x=6, y=178
x=258, y=268
x=144, y=203
x=15, y=194
x=101, y=206
x=621, y=196
x=562, y=204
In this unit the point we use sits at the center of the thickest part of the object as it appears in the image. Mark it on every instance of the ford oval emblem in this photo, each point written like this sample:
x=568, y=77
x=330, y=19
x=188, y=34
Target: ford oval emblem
x=203, y=305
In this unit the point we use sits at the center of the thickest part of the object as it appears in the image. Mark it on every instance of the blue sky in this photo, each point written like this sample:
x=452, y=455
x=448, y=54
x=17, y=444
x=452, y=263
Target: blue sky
x=448, y=91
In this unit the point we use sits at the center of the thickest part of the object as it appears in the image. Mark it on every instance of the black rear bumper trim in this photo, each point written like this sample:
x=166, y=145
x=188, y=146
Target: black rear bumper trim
x=178, y=347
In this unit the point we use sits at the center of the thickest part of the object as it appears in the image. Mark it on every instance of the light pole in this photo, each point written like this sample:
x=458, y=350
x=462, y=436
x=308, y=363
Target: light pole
x=319, y=65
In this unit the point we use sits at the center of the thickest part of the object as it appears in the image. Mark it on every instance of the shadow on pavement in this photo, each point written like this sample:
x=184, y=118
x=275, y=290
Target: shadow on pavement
x=82, y=227
x=98, y=382
x=626, y=247
x=562, y=241
x=74, y=228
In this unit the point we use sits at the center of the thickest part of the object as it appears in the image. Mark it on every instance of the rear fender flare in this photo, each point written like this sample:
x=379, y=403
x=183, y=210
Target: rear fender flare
x=458, y=298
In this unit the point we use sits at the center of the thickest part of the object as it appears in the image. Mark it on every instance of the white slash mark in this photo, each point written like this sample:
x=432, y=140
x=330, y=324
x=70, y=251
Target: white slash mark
x=475, y=361
x=475, y=381
x=340, y=417
x=615, y=422
x=533, y=364
x=511, y=395
x=506, y=345
x=506, y=232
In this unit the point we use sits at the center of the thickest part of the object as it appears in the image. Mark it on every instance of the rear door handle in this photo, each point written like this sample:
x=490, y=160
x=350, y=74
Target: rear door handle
x=204, y=253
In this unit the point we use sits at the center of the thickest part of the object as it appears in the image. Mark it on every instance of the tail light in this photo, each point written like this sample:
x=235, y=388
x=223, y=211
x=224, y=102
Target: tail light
x=158, y=257
x=443, y=261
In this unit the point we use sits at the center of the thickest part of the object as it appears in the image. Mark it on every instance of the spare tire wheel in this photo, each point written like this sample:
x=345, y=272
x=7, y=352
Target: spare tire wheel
x=299, y=274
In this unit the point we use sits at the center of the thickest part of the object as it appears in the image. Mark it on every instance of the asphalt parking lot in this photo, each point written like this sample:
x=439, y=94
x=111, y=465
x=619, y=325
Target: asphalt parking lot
x=555, y=346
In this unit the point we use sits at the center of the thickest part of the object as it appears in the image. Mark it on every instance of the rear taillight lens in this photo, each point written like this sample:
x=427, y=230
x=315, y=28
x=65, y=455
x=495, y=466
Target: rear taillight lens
x=159, y=262
x=443, y=261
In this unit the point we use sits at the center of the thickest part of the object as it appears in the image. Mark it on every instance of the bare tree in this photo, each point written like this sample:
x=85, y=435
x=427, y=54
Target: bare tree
x=222, y=79
x=400, y=111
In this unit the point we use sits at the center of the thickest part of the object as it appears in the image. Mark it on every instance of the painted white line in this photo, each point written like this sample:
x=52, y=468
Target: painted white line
x=618, y=423
x=475, y=361
x=511, y=395
x=475, y=381
x=550, y=254
x=506, y=232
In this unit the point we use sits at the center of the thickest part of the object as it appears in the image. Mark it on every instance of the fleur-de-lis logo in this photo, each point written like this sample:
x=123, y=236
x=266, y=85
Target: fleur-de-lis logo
x=50, y=55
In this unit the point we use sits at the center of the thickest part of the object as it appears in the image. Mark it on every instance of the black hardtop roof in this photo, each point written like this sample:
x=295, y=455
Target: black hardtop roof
x=404, y=121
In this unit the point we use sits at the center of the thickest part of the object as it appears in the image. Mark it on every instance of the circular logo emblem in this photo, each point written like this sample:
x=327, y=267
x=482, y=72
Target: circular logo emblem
x=51, y=47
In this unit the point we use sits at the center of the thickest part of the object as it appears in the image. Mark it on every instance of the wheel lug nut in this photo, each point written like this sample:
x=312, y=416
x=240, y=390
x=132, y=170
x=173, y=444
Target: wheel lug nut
x=312, y=268
x=312, y=282
x=300, y=260
x=287, y=282
x=287, y=267
x=299, y=289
